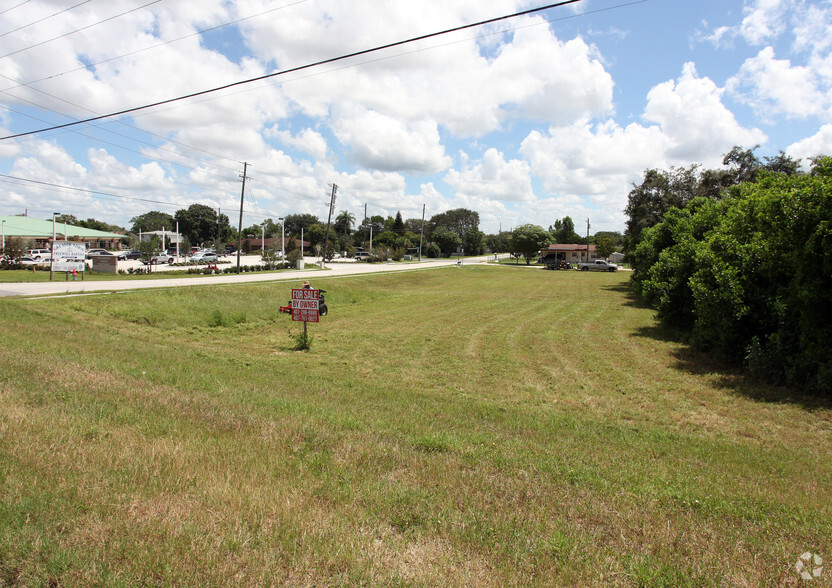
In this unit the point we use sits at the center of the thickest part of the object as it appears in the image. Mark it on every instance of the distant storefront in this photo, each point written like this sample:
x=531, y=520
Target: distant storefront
x=37, y=233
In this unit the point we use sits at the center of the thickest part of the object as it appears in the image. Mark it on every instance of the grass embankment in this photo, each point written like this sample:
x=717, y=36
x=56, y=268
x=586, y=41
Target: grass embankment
x=471, y=426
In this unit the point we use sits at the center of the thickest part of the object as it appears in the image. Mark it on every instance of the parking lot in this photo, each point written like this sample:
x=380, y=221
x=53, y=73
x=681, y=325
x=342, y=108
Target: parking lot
x=224, y=261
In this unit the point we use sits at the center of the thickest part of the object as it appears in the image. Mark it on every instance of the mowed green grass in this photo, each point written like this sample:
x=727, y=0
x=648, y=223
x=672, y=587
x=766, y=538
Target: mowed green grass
x=474, y=426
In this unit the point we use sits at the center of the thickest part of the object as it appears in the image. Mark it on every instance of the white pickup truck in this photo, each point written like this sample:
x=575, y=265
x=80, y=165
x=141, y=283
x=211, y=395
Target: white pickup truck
x=597, y=265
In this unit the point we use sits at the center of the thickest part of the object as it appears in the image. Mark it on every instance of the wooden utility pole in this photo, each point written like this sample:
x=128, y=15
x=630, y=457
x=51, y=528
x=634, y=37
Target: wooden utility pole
x=240, y=230
x=329, y=223
x=587, y=240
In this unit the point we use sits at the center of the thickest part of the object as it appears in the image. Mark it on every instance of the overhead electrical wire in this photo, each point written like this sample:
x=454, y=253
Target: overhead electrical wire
x=195, y=33
x=15, y=6
x=89, y=26
x=298, y=68
x=20, y=28
x=98, y=193
x=164, y=138
x=112, y=132
x=332, y=60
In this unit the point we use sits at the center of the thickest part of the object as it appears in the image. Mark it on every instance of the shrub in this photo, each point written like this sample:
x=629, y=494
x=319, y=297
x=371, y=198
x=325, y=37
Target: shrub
x=749, y=277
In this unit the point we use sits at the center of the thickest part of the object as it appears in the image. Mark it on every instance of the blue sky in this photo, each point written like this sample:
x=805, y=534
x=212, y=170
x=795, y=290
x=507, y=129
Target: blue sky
x=531, y=120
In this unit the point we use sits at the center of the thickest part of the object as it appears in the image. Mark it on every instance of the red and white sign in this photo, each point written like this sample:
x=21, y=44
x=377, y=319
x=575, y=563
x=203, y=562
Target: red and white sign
x=305, y=305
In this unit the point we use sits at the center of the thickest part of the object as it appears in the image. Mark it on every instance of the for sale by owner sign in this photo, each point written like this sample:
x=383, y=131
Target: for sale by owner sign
x=305, y=305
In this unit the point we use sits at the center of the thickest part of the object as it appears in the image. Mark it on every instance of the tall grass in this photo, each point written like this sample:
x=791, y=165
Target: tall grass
x=466, y=426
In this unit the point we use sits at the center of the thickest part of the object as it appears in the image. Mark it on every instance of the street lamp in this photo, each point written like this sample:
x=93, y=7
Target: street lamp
x=52, y=249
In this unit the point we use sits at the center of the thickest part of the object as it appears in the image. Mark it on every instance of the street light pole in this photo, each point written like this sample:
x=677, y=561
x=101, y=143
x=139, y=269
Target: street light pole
x=52, y=249
x=422, y=232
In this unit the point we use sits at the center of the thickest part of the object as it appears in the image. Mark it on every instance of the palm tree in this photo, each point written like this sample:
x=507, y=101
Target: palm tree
x=345, y=219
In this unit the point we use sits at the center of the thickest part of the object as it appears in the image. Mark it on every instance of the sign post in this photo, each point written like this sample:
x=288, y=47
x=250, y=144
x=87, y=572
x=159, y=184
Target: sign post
x=68, y=256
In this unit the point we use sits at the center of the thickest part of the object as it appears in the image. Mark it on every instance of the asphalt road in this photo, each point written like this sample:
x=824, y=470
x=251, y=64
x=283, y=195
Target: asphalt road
x=78, y=287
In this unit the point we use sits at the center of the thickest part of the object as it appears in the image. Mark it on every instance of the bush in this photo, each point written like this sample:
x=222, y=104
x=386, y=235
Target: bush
x=749, y=277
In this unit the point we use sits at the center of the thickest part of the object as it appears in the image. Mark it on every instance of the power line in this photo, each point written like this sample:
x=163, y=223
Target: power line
x=164, y=138
x=20, y=28
x=98, y=193
x=200, y=32
x=282, y=189
x=299, y=68
x=81, y=29
x=101, y=127
x=15, y=6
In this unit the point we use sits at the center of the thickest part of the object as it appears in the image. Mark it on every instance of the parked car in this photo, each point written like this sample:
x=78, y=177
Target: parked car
x=132, y=254
x=39, y=254
x=162, y=258
x=362, y=255
x=204, y=257
x=93, y=252
x=29, y=260
x=599, y=265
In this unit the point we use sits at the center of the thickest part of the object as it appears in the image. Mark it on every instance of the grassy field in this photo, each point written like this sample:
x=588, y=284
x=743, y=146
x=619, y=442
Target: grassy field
x=475, y=426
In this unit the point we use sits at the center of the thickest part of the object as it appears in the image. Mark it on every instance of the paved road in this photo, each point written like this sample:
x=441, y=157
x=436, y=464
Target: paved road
x=72, y=288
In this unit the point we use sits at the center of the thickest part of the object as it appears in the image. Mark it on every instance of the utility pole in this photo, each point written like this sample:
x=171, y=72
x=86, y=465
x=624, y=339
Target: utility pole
x=422, y=233
x=587, y=240
x=240, y=230
x=328, y=223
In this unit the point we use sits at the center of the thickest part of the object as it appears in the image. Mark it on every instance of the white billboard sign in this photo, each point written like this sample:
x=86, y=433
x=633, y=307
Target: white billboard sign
x=68, y=256
x=68, y=250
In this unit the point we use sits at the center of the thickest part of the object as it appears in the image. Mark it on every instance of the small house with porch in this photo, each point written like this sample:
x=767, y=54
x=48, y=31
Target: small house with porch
x=570, y=252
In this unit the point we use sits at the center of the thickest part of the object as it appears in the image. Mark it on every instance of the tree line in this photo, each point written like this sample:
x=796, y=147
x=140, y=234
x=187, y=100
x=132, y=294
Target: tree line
x=447, y=233
x=739, y=261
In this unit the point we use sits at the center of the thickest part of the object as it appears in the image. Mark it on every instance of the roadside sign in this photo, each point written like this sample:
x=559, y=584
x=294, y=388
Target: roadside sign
x=68, y=266
x=305, y=305
x=68, y=256
x=68, y=251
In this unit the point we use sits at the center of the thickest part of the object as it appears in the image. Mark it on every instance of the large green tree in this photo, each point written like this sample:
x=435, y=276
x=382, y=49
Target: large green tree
x=528, y=240
x=201, y=224
x=474, y=241
x=563, y=231
x=447, y=240
x=605, y=245
x=458, y=220
x=498, y=243
x=398, y=224
x=662, y=190
x=293, y=223
x=153, y=221
x=315, y=235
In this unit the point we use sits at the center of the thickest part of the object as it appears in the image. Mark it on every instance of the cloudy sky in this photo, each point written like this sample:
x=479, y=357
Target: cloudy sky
x=528, y=120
